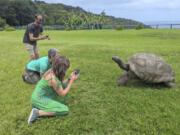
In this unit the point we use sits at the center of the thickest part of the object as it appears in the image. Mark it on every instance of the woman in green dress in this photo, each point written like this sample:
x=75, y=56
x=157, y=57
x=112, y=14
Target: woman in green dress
x=50, y=94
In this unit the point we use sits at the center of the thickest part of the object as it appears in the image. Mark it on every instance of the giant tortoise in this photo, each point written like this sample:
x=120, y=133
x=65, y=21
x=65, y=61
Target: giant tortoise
x=148, y=68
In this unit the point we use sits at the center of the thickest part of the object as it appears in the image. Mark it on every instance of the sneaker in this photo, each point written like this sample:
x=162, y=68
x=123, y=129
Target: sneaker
x=24, y=77
x=33, y=116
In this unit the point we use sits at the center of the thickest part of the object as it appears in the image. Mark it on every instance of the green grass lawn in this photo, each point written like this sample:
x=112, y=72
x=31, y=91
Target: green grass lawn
x=97, y=106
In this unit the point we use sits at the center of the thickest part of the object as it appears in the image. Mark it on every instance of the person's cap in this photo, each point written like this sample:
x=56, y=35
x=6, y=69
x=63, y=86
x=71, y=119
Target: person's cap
x=52, y=52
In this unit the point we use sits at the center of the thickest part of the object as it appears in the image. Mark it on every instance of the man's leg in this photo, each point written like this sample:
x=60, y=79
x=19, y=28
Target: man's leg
x=31, y=77
x=32, y=57
x=36, y=52
x=36, y=56
x=30, y=50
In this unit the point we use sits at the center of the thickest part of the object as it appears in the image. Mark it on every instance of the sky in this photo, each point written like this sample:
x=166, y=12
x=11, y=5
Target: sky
x=146, y=11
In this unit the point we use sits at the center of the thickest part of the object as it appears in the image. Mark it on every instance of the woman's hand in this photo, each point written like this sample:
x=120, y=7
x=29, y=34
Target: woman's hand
x=73, y=76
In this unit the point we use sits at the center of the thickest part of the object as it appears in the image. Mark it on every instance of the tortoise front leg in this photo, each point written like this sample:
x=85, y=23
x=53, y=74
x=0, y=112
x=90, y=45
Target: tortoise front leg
x=171, y=85
x=123, y=79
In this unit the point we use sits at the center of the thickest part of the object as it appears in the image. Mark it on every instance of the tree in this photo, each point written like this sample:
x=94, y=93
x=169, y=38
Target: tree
x=2, y=22
x=76, y=21
x=11, y=16
x=21, y=12
x=73, y=21
x=25, y=10
x=3, y=8
x=89, y=18
x=102, y=18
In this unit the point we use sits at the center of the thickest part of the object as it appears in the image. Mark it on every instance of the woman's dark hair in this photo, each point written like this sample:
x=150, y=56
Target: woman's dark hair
x=59, y=67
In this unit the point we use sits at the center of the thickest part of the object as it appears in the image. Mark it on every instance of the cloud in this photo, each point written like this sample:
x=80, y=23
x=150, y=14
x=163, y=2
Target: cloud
x=120, y=3
x=134, y=9
x=151, y=4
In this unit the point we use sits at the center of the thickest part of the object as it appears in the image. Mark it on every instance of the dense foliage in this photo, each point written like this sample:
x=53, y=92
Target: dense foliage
x=10, y=29
x=119, y=27
x=139, y=27
x=21, y=12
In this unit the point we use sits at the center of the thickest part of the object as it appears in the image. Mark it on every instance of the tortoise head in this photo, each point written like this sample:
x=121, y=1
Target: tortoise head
x=120, y=63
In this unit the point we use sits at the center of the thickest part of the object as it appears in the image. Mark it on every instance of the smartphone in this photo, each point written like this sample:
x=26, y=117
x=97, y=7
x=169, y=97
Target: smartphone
x=77, y=71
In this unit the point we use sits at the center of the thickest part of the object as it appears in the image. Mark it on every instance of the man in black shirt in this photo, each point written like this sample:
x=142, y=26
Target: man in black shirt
x=31, y=36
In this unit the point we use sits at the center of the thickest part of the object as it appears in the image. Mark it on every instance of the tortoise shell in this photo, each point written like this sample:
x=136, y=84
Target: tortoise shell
x=150, y=68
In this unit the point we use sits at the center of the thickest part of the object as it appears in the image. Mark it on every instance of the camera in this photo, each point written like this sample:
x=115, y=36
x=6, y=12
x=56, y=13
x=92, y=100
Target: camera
x=77, y=71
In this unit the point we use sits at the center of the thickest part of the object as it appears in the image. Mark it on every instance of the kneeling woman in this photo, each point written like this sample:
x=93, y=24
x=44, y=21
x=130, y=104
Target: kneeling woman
x=49, y=96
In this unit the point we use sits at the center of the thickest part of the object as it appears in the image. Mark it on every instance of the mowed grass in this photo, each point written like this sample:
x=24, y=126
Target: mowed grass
x=97, y=106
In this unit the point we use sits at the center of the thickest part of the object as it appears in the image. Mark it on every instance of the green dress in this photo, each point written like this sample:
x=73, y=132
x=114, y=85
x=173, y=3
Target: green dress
x=45, y=98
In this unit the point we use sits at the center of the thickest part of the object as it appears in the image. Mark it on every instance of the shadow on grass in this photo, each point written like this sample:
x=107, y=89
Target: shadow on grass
x=142, y=85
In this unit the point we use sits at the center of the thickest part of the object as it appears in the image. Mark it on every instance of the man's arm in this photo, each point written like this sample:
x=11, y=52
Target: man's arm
x=32, y=38
x=42, y=36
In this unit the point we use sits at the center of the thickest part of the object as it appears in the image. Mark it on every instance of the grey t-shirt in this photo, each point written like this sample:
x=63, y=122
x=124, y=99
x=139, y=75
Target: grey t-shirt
x=35, y=30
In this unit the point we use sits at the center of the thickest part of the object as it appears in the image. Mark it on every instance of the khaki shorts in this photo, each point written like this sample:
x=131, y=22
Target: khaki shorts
x=32, y=49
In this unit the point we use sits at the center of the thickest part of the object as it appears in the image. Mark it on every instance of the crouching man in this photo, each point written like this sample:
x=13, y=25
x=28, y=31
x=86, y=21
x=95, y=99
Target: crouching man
x=36, y=68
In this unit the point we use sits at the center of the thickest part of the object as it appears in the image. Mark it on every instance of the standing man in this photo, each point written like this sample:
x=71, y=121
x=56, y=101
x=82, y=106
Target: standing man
x=31, y=36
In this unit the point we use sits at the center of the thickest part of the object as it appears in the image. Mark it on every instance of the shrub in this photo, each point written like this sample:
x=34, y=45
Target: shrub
x=1, y=29
x=2, y=22
x=139, y=27
x=68, y=29
x=119, y=27
x=10, y=29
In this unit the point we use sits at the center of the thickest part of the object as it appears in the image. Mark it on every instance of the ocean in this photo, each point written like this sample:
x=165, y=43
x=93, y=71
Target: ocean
x=163, y=24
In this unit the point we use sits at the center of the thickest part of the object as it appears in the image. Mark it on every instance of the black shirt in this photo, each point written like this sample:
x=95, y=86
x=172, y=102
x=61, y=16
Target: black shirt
x=35, y=30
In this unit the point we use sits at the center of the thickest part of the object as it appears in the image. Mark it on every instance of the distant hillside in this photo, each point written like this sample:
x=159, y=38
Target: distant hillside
x=21, y=12
x=78, y=10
